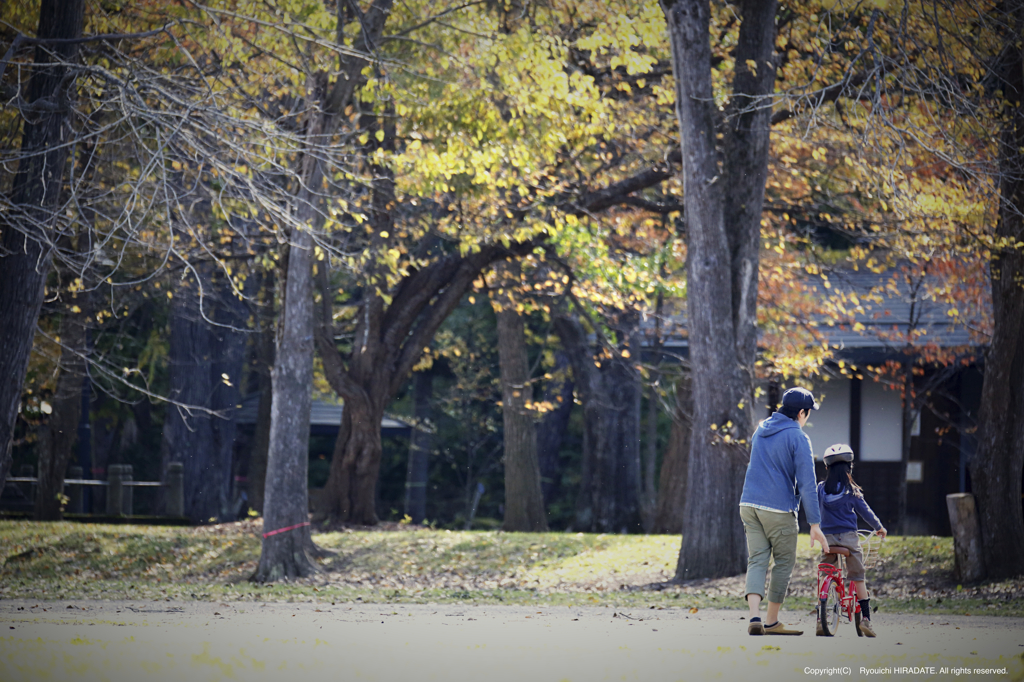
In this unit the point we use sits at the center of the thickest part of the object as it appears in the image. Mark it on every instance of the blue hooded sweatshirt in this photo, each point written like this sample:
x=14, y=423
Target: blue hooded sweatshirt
x=839, y=512
x=781, y=469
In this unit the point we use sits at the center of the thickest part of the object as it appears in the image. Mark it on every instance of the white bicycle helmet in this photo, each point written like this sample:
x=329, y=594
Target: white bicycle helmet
x=840, y=452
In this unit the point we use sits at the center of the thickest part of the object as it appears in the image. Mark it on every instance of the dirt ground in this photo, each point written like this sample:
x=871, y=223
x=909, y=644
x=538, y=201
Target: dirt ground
x=162, y=640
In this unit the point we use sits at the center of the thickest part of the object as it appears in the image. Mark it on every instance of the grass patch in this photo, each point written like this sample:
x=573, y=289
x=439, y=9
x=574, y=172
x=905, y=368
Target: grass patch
x=95, y=561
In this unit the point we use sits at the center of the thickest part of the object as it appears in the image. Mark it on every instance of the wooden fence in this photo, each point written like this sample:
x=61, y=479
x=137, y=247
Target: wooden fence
x=119, y=487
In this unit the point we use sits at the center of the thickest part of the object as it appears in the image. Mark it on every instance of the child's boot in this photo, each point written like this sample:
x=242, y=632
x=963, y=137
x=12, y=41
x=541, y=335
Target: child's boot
x=864, y=629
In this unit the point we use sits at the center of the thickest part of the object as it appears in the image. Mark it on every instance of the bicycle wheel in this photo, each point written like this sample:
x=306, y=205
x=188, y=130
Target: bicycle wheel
x=829, y=609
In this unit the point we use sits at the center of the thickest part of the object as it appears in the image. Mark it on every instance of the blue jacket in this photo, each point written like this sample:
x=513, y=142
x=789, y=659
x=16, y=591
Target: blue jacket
x=839, y=512
x=781, y=469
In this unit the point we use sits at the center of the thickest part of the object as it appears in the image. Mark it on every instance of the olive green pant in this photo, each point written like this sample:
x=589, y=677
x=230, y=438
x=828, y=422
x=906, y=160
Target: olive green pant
x=770, y=535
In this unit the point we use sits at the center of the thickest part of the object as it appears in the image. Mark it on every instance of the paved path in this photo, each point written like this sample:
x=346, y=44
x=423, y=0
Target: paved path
x=127, y=641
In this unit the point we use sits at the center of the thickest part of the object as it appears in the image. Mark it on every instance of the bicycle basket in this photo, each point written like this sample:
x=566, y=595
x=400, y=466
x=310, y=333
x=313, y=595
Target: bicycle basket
x=870, y=543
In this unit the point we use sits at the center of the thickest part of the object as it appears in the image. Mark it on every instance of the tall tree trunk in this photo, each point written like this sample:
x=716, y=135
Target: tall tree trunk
x=56, y=442
x=668, y=517
x=649, y=491
x=286, y=535
x=998, y=463
x=25, y=243
x=722, y=258
x=608, y=499
x=552, y=426
x=626, y=392
x=421, y=444
x=229, y=339
x=257, y=473
x=206, y=357
x=188, y=433
x=286, y=493
x=649, y=494
x=84, y=450
x=351, y=490
x=524, y=503
x=589, y=389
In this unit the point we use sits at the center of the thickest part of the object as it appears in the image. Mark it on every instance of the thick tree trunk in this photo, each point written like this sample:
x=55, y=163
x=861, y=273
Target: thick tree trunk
x=229, y=339
x=589, y=389
x=552, y=426
x=668, y=517
x=626, y=391
x=608, y=499
x=421, y=444
x=286, y=535
x=25, y=242
x=264, y=340
x=57, y=439
x=188, y=433
x=998, y=463
x=649, y=494
x=722, y=257
x=351, y=490
x=524, y=503
x=205, y=357
x=84, y=450
x=257, y=473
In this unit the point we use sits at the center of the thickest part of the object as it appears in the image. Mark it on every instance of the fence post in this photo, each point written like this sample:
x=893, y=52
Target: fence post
x=75, y=491
x=175, y=500
x=114, y=490
x=963, y=519
x=126, y=490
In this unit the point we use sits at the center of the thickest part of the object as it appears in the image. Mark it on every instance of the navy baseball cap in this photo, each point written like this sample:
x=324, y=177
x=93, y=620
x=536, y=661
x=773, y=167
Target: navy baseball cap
x=800, y=399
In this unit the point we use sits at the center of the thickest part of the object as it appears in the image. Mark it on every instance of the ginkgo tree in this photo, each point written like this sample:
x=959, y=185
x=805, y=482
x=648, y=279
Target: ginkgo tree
x=486, y=147
x=944, y=111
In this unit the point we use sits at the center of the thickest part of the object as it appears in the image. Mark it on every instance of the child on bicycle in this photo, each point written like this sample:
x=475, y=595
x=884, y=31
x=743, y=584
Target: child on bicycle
x=841, y=501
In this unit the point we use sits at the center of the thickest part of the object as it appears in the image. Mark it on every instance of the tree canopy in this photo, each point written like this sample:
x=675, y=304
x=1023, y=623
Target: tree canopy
x=336, y=180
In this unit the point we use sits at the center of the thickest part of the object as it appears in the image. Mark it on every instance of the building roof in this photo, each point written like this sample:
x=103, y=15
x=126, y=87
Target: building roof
x=891, y=314
x=322, y=413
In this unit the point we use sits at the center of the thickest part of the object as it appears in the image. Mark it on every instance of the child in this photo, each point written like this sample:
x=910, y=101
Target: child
x=840, y=501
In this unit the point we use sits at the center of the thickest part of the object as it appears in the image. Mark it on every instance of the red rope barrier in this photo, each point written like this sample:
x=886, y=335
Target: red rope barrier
x=285, y=530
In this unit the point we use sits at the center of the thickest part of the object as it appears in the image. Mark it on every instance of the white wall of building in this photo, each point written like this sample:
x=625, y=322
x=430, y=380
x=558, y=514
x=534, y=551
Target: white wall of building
x=881, y=423
x=830, y=424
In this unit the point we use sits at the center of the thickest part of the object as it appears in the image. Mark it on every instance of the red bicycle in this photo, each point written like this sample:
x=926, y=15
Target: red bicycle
x=836, y=598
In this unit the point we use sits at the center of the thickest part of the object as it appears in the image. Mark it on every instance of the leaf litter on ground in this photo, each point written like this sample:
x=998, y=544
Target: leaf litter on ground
x=400, y=563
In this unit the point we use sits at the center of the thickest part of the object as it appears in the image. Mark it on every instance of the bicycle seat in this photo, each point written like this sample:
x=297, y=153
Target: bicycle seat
x=838, y=549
